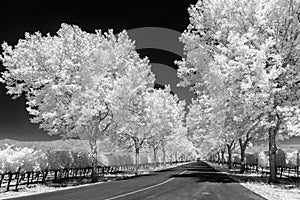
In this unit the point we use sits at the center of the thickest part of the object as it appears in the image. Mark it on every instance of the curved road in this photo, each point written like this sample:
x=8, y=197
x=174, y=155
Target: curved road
x=191, y=181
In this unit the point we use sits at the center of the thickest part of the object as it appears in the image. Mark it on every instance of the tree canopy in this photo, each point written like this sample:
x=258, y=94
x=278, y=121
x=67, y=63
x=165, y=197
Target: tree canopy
x=245, y=55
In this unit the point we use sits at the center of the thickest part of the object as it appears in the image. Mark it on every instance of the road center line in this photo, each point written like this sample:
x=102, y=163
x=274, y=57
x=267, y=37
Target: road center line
x=147, y=188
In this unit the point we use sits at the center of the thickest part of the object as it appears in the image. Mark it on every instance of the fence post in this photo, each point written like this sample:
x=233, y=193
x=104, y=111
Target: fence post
x=98, y=170
x=32, y=177
x=28, y=178
x=17, y=182
x=18, y=179
x=298, y=163
x=9, y=180
x=55, y=175
x=2, y=177
x=60, y=175
x=45, y=173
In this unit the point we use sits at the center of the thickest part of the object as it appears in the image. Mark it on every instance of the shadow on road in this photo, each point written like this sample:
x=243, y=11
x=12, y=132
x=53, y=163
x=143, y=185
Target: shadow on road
x=208, y=177
x=165, y=170
x=202, y=172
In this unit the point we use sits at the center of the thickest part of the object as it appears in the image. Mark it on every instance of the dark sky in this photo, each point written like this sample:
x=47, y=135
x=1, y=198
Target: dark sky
x=47, y=16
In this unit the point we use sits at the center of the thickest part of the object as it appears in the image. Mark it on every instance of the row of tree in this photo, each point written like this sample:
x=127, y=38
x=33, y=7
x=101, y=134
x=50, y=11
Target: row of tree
x=24, y=159
x=91, y=86
x=260, y=159
x=243, y=64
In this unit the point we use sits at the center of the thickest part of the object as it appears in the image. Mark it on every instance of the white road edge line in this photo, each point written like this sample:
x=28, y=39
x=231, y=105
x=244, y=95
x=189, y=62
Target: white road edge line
x=147, y=188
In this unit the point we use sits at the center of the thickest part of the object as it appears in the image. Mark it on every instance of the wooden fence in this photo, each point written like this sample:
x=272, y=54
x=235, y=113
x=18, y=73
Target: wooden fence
x=282, y=171
x=17, y=180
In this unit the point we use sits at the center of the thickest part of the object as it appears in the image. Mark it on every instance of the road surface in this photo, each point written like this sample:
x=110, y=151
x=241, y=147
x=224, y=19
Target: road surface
x=191, y=181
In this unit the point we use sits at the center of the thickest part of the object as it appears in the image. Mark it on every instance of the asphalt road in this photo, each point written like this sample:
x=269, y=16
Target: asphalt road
x=191, y=181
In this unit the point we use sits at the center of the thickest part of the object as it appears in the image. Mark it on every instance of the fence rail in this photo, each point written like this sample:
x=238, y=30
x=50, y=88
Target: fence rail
x=282, y=171
x=17, y=180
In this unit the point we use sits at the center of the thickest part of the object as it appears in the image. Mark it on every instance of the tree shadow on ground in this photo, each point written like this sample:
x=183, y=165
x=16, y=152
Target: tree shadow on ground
x=165, y=170
x=207, y=177
x=202, y=172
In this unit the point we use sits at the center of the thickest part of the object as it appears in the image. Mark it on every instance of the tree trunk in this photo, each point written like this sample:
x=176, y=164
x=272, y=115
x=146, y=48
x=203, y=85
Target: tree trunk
x=229, y=162
x=137, y=158
x=242, y=169
x=222, y=156
x=155, y=156
x=93, y=145
x=164, y=155
x=243, y=149
x=272, y=150
x=272, y=156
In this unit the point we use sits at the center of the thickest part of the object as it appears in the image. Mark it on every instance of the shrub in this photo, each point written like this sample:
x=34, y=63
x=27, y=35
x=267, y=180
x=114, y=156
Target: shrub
x=145, y=159
x=236, y=158
x=34, y=160
x=280, y=158
x=52, y=158
x=8, y=160
x=291, y=159
x=14, y=158
x=251, y=159
x=263, y=159
x=120, y=159
x=81, y=159
x=103, y=159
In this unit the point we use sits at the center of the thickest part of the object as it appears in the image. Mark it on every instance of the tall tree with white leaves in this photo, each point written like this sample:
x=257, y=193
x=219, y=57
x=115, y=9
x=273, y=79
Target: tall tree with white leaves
x=67, y=78
x=131, y=105
x=167, y=115
x=254, y=46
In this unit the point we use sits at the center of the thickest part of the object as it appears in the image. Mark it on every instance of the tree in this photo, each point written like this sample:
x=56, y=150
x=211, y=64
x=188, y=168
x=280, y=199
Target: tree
x=229, y=140
x=198, y=119
x=131, y=105
x=208, y=124
x=254, y=46
x=67, y=79
x=180, y=146
x=248, y=130
x=243, y=123
x=168, y=112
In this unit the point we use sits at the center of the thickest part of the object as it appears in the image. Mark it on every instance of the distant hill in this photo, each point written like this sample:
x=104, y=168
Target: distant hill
x=295, y=140
x=289, y=145
x=70, y=144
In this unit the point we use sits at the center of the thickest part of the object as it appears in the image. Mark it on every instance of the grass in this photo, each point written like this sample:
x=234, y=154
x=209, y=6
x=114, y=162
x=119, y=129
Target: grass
x=286, y=189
